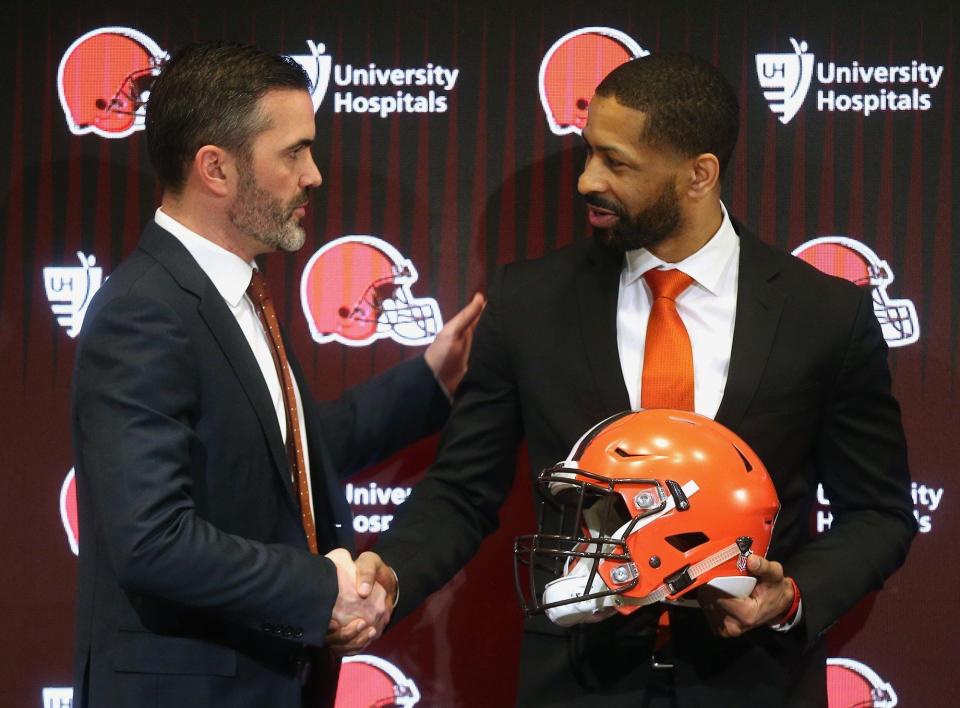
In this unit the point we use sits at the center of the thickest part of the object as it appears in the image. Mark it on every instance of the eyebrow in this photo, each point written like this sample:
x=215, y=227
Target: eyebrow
x=608, y=149
x=303, y=143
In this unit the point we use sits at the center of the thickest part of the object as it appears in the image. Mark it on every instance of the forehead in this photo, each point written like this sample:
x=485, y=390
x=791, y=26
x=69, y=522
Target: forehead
x=609, y=123
x=289, y=116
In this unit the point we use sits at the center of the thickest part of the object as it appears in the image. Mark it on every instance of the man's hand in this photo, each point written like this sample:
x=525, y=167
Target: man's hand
x=356, y=621
x=447, y=355
x=371, y=569
x=771, y=598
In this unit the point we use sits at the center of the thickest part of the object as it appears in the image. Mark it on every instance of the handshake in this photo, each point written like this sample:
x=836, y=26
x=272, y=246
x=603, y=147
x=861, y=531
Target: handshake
x=365, y=600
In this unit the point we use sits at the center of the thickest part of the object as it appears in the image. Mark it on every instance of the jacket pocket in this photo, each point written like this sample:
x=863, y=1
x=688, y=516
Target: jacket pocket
x=142, y=652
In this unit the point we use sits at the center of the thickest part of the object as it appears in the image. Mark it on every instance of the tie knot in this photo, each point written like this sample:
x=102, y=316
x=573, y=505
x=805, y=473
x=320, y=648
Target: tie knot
x=257, y=290
x=667, y=283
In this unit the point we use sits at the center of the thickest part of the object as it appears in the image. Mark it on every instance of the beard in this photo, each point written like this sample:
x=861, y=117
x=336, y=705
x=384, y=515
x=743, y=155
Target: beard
x=260, y=215
x=647, y=228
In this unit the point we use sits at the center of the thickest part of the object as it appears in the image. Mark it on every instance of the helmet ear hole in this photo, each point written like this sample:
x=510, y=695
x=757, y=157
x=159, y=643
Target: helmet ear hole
x=746, y=462
x=684, y=542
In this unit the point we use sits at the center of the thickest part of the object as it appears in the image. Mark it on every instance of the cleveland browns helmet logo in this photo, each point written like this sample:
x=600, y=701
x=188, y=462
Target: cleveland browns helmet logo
x=105, y=78
x=852, y=260
x=851, y=684
x=68, y=510
x=356, y=290
x=572, y=68
x=368, y=681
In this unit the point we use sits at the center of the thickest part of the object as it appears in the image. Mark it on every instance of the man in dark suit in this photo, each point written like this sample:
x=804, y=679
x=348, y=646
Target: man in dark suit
x=208, y=478
x=791, y=360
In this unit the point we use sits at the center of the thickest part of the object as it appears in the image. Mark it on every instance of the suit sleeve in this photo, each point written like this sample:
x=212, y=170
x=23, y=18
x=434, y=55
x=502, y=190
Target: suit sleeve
x=861, y=455
x=381, y=416
x=136, y=400
x=438, y=529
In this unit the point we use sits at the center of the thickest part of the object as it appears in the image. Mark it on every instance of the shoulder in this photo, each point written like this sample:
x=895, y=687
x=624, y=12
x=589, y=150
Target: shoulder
x=798, y=282
x=159, y=270
x=553, y=270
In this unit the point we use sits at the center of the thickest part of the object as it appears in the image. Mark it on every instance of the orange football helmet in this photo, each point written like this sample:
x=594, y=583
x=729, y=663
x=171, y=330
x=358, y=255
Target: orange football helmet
x=656, y=503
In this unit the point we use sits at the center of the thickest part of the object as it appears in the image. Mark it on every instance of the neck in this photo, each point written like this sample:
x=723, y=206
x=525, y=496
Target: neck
x=207, y=222
x=696, y=229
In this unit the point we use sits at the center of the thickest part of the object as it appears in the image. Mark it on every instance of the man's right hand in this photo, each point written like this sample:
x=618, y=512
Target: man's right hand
x=372, y=570
x=356, y=620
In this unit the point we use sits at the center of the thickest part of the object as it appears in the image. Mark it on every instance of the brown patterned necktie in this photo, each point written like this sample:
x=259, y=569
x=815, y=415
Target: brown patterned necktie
x=260, y=295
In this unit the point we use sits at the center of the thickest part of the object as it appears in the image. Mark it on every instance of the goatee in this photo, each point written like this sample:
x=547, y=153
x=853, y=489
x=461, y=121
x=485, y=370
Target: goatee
x=643, y=230
x=261, y=216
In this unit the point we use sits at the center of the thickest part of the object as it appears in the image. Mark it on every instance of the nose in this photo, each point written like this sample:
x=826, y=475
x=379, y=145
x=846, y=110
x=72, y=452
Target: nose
x=590, y=180
x=312, y=177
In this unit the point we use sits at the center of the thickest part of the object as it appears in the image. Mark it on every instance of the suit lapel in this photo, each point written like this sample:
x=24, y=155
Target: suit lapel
x=759, y=305
x=171, y=254
x=597, y=288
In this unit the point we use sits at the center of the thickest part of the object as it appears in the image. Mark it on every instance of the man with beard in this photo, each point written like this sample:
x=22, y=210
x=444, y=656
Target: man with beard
x=791, y=360
x=209, y=480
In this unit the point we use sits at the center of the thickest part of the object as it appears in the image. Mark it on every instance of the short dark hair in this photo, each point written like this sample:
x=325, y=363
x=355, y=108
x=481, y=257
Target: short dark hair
x=207, y=94
x=690, y=106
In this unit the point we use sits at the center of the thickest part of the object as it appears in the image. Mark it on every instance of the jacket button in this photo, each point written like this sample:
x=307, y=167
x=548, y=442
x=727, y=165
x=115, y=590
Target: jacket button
x=299, y=633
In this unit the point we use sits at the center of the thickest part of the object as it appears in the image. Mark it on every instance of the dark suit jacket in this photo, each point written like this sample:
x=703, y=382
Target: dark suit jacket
x=196, y=587
x=808, y=389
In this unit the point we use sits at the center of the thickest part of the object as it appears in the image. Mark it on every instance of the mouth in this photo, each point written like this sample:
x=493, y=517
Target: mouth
x=601, y=218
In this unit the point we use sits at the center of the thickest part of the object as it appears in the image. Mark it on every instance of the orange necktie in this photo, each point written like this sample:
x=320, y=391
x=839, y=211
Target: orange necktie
x=260, y=296
x=667, y=380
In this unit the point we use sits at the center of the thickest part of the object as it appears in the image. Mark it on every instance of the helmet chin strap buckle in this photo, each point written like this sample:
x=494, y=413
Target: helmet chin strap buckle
x=679, y=581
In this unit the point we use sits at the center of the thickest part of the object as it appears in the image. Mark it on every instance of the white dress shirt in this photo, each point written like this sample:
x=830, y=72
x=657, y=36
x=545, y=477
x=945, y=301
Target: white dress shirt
x=231, y=275
x=707, y=307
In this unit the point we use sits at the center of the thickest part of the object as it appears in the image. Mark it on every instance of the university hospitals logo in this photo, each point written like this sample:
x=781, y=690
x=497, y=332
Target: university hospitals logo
x=927, y=498
x=57, y=697
x=851, y=684
x=105, y=77
x=356, y=290
x=317, y=65
x=70, y=289
x=786, y=79
x=367, y=681
x=853, y=260
x=574, y=66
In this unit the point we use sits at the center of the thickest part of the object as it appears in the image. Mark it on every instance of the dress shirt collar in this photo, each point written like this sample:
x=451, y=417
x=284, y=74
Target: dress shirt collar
x=230, y=273
x=706, y=266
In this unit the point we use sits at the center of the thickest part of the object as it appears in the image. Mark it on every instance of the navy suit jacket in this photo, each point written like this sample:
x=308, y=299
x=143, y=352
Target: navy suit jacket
x=808, y=389
x=195, y=583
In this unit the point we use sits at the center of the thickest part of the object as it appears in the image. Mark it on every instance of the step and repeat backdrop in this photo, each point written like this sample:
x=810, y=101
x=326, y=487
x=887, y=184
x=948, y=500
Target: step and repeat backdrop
x=448, y=138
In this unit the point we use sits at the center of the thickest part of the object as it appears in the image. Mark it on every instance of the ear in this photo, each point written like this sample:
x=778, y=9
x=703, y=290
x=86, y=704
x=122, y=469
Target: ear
x=704, y=175
x=215, y=170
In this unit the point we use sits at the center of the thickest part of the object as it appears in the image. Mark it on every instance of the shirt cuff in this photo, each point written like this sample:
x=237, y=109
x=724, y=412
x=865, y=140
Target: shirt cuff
x=794, y=614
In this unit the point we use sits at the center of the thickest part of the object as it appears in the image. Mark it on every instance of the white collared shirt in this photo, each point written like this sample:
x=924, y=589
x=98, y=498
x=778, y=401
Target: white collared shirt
x=231, y=275
x=707, y=307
